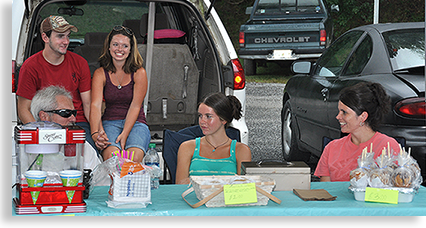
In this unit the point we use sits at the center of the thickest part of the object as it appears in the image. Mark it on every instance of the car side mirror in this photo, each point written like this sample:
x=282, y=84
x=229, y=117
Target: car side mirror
x=301, y=67
x=249, y=9
x=334, y=8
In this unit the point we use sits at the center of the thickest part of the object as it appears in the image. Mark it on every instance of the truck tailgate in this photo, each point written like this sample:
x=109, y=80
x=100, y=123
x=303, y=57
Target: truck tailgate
x=279, y=35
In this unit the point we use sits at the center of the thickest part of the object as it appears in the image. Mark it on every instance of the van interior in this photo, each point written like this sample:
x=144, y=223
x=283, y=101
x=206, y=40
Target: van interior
x=178, y=52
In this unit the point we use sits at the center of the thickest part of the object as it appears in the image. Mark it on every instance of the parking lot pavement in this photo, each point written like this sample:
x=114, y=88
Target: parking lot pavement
x=263, y=117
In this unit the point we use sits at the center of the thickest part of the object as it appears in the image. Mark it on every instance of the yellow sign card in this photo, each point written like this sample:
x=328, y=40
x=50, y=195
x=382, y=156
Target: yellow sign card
x=381, y=195
x=240, y=193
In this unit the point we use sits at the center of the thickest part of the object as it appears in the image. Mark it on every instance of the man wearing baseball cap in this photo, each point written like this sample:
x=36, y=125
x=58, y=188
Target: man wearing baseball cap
x=54, y=65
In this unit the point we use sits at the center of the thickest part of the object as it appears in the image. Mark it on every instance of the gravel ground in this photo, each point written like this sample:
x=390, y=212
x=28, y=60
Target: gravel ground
x=263, y=117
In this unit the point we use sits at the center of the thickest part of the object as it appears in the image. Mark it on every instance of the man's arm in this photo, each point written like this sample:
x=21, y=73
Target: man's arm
x=24, y=110
x=86, y=99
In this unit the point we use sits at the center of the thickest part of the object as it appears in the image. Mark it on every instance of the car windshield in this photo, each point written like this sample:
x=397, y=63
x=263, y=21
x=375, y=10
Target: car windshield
x=406, y=48
x=274, y=7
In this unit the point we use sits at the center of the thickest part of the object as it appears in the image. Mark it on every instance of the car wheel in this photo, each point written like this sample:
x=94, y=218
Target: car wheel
x=290, y=149
x=249, y=67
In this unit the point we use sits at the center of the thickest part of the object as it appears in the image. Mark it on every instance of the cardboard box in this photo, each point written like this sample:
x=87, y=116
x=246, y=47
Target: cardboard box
x=287, y=175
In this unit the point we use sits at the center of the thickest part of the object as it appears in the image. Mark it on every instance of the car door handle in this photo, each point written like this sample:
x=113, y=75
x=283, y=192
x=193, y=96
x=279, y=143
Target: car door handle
x=324, y=93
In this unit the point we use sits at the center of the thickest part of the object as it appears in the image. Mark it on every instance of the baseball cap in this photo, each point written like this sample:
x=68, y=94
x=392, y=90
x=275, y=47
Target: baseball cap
x=57, y=24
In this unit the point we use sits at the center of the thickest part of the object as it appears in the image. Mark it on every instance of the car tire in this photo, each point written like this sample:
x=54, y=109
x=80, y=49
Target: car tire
x=289, y=134
x=249, y=67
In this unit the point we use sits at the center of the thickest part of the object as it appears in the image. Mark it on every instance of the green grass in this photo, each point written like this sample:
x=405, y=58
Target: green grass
x=267, y=79
x=271, y=73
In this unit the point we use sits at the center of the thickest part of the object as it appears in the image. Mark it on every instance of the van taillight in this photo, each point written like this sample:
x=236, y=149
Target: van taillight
x=13, y=76
x=323, y=37
x=241, y=39
x=412, y=107
x=239, y=77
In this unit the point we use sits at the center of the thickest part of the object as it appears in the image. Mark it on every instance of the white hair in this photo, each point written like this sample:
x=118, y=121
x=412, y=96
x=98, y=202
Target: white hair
x=45, y=99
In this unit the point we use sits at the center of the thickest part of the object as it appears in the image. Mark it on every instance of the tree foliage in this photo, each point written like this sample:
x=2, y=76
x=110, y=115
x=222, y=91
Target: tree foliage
x=354, y=13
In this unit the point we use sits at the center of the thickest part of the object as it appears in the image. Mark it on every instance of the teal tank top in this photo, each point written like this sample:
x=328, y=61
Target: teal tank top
x=201, y=166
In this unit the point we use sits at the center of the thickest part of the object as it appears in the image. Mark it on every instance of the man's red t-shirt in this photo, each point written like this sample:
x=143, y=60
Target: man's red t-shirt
x=73, y=74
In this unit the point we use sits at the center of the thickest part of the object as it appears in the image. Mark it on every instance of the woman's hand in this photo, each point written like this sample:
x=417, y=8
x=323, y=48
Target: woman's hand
x=122, y=139
x=325, y=179
x=101, y=140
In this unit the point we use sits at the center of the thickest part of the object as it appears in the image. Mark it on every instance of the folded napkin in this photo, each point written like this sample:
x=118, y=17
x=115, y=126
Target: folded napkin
x=314, y=195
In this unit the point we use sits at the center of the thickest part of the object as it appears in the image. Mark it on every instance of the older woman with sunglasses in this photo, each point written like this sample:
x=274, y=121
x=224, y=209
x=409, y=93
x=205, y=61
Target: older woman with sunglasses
x=122, y=82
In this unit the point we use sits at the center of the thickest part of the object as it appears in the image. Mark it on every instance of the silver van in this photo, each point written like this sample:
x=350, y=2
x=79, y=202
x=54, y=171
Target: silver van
x=180, y=70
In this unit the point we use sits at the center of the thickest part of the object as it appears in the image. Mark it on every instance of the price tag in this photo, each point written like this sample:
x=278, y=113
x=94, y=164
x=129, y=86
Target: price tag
x=381, y=195
x=240, y=193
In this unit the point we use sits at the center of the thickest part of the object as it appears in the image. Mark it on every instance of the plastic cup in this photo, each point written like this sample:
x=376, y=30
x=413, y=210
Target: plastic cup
x=35, y=178
x=70, y=178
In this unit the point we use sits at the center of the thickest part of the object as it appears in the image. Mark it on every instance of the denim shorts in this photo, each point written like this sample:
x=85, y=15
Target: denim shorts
x=139, y=136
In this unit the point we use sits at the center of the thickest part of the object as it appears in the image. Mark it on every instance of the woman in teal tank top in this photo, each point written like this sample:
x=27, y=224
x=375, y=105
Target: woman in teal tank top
x=215, y=153
x=201, y=166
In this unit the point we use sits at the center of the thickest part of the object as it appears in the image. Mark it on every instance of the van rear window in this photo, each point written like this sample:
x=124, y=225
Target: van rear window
x=97, y=16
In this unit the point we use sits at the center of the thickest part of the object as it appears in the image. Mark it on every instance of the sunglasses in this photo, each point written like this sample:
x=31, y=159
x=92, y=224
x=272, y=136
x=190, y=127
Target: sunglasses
x=120, y=27
x=64, y=112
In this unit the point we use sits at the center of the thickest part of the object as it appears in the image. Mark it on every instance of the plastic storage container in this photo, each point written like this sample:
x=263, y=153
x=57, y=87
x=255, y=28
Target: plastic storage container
x=287, y=175
x=405, y=195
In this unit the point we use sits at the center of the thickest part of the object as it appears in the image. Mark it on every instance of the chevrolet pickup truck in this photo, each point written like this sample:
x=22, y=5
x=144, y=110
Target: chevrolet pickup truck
x=283, y=31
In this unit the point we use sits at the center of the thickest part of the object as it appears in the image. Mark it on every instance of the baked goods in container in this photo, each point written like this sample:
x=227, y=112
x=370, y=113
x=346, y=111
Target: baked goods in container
x=380, y=177
x=358, y=177
x=402, y=177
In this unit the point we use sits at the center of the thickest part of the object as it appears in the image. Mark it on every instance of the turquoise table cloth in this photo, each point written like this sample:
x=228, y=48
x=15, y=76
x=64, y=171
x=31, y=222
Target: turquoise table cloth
x=167, y=201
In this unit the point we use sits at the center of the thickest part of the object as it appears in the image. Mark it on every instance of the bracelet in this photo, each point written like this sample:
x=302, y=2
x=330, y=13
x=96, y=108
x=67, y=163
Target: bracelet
x=94, y=133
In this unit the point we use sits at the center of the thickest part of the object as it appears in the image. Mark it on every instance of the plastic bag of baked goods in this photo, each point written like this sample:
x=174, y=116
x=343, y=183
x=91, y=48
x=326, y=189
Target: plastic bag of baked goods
x=415, y=168
x=407, y=175
x=380, y=177
x=359, y=176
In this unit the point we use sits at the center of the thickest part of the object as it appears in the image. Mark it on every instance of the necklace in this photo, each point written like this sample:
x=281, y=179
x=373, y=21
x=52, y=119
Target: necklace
x=62, y=59
x=119, y=82
x=215, y=147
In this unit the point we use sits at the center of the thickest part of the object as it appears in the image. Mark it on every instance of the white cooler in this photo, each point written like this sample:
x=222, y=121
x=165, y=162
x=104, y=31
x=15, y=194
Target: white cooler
x=287, y=175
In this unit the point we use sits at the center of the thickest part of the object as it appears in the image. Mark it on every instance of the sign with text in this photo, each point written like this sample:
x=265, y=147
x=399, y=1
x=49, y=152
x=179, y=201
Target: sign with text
x=240, y=193
x=381, y=195
x=56, y=136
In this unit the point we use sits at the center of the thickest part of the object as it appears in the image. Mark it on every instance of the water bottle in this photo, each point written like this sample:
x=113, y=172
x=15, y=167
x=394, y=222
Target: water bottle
x=152, y=159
